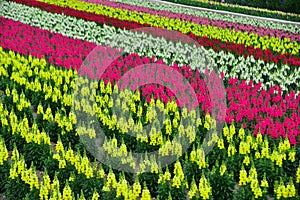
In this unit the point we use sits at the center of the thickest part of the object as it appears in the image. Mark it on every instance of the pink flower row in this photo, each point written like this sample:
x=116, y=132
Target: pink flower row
x=56, y=48
x=200, y=20
x=247, y=104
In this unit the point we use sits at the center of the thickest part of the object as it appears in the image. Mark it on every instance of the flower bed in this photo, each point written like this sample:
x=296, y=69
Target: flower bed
x=49, y=143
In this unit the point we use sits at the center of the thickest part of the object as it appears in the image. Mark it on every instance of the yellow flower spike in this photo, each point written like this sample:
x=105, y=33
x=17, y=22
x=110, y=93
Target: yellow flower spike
x=15, y=154
x=145, y=193
x=291, y=188
x=3, y=151
x=223, y=168
x=136, y=188
x=241, y=134
x=243, y=177
x=292, y=154
x=34, y=179
x=193, y=189
x=259, y=139
x=44, y=192
x=298, y=174
x=264, y=182
x=231, y=150
x=62, y=163
x=154, y=166
x=257, y=155
x=286, y=144
x=178, y=171
x=67, y=192
x=221, y=143
x=204, y=187
x=246, y=160
x=123, y=149
x=13, y=171
x=111, y=179
x=193, y=155
x=226, y=131
x=81, y=196
x=59, y=146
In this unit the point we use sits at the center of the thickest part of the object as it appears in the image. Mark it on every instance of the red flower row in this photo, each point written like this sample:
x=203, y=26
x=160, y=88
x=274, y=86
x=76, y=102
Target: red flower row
x=239, y=49
x=247, y=104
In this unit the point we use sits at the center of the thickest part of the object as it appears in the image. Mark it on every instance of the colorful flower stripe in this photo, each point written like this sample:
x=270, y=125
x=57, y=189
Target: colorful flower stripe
x=225, y=35
x=212, y=15
x=28, y=40
x=202, y=21
x=239, y=49
x=235, y=144
x=247, y=102
x=232, y=66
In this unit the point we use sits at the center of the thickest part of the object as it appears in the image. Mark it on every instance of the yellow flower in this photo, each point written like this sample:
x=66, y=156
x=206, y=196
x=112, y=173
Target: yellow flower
x=146, y=194
x=62, y=163
x=3, y=152
x=246, y=160
x=223, y=168
x=221, y=143
x=111, y=179
x=136, y=188
x=95, y=195
x=231, y=150
x=257, y=155
x=264, y=182
x=292, y=154
x=101, y=172
x=243, y=177
x=298, y=174
x=259, y=138
x=241, y=133
x=59, y=146
x=204, y=187
x=291, y=190
x=67, y=192
x=193, y=190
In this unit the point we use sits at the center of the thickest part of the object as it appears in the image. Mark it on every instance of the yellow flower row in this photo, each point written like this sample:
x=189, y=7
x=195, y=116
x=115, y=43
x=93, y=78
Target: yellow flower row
x=19, y=170
x=21, y=127
x=225, y=35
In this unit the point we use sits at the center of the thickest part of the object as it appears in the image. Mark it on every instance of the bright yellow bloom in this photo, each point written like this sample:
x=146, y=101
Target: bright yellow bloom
x=231, y=150
x=146, y=194
x=3, y=152
x=246, y=160
x=67, y=192
x=223, y=168
x=204, y=187
x=292, y=154
x=95, y=195
x=264, y=183
x=193, y=189
x=243, y=177
x=298, y=174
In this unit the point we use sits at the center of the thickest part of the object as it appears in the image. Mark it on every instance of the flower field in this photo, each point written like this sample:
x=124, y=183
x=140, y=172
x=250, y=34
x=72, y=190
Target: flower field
x=131, y=99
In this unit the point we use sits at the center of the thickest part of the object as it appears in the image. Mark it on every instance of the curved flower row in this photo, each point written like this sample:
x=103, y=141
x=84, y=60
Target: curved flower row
x=40, y=43
x=235, y=144
x=203, y=21
x=225, y=35
x=244, y=105
x=232, y=66
x=239, y=49
x=211, y=15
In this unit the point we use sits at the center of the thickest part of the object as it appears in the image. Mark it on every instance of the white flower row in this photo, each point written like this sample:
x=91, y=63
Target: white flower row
x=212, y=15
x=145, y=45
